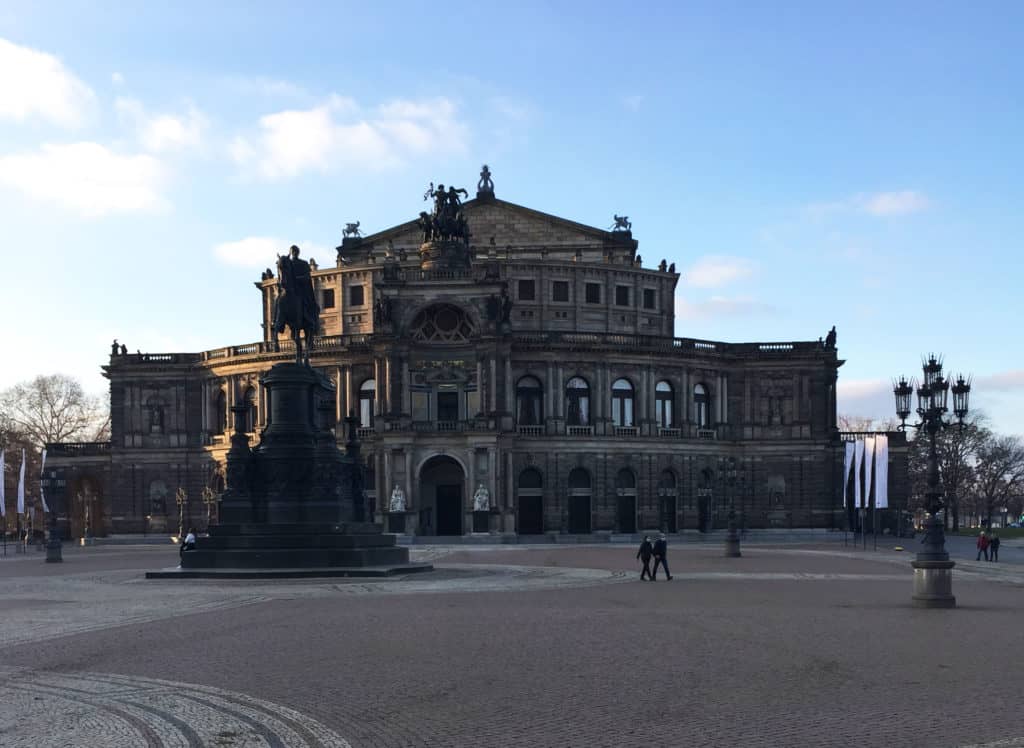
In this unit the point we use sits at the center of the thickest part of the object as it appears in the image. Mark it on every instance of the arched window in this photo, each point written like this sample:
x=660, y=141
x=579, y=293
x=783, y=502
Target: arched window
x=220, y=410
x=667, y=482
x=663, y=404
x=442, y=323
x=577, y=402
x=701, y=416
x=155, y=410
x=529, y=401
x=625, y=480
x=622, y=403
x=250, y=410
x=367, y=391
x=579, y=480
x=530, y=480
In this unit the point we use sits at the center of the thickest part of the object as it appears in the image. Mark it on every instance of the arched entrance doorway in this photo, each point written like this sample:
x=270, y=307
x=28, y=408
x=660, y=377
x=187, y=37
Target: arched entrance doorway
x=667, y=501
x=442, y=488
x=531, y=502
x=625, y=488
x=579, y=502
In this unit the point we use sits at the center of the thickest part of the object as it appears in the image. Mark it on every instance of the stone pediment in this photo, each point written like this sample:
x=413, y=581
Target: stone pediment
x=510, y=225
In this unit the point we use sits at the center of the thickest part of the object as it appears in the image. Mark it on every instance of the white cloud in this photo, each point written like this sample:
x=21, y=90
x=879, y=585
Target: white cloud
x=117, y=79
x=87, y=178
x=258, y=252
x=894, y=203
x=879, y=204
x=163, y=132
x=1005, y=381
x=721, y=306
x=633, y=102
x=36, y=84
x=865, y=398
x=337, y=133
x=715, y=271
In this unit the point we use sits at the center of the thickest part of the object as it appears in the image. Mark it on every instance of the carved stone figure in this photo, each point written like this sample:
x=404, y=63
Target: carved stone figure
x=114, y=348
x=830, y=339
x=663, y=266
x=382, y=310
x=506, y=305
x=622, y=223
x=481, y=499
x=124, y=350
x=485, y=186
x=296, y=305
x=397, y=502
x=351, y=229
x=672, y=268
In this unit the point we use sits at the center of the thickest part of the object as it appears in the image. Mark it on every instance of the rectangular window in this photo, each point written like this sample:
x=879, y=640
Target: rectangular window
x=447, y=403
x=420, y=406
x=593, y=293
x=622, y=296
x=648, y=298
x=355, y=296
x=526, y=290
x=328, y=299
x=472, y=403
x=560, y=291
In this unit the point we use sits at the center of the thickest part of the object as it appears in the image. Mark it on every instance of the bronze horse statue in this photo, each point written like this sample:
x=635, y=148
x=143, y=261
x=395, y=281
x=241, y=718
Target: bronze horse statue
x=295, y=306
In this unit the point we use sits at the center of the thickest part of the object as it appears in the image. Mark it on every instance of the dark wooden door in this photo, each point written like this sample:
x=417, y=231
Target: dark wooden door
x=579, y=515
x=668, y=514
x=531, y=515
x=627, y=514
x=449, y=510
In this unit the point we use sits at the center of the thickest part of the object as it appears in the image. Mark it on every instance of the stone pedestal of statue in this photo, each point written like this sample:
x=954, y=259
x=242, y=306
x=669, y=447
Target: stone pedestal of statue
x=294, y=504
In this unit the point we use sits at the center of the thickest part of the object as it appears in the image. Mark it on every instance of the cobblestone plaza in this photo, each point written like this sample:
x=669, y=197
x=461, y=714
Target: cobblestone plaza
x=798, y=644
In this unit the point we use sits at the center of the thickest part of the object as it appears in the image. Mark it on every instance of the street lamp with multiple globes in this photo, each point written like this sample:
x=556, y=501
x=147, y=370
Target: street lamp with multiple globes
x=933, y=571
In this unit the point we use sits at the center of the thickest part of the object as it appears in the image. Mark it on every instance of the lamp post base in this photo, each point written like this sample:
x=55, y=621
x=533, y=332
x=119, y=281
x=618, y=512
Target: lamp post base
x=933, y=584
x=732, y=540
x=54, y=551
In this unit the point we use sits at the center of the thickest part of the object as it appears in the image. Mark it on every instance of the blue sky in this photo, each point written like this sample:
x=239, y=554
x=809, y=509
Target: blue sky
x=803, y=164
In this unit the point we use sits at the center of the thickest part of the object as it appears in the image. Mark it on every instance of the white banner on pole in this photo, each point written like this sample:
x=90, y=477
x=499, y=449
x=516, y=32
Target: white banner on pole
x=847, y=467
x=3, y=488
x=21, y=485
x=882, y=472
x=42, y=474
x=858, y=459
x=869, y=458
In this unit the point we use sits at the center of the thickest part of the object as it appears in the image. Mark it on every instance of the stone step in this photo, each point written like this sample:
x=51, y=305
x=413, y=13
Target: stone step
x=228, y=542
x=310, y=528
x=290, y=558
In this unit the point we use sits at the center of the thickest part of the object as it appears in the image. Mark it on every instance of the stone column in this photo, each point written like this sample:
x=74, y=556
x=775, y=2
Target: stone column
x=491, y=385
x=378, y=394
x=406, y=391
x=509, y=405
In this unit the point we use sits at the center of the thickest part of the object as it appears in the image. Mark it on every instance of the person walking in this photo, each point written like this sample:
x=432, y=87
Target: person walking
x=993, y=548
x=644, y=554
x=982, y=545
x=660, y=557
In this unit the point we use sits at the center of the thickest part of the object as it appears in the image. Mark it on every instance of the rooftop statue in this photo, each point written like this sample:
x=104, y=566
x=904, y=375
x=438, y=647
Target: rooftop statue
x=622, y=223
x=446, y=222
x=351, y=229
x=295, y=306
x=485, y=186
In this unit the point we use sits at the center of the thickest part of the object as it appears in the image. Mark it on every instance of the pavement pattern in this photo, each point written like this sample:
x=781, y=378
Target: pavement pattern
x=509, y=645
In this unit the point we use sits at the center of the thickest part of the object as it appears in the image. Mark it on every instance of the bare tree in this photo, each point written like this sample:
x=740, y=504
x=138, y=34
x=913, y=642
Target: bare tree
x=52, y=408
x=957, y=450
x=999, y=473
x=847, y=422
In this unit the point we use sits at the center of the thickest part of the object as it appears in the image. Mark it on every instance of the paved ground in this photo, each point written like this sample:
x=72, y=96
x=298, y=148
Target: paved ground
x=548, y=646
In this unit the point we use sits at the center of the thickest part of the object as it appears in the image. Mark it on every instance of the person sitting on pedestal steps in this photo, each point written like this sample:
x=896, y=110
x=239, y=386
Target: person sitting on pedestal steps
x=644, y=554
x=661, y=557
x=189, y=543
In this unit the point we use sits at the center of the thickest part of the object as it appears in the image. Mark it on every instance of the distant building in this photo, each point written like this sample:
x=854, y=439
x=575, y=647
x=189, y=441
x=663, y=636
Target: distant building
x=537, y=360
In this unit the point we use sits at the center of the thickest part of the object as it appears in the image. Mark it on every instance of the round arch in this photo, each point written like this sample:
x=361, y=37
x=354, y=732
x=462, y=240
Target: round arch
x=442, y=495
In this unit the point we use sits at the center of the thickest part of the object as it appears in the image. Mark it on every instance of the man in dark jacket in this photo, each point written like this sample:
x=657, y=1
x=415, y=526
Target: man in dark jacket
x=644, y=554
x=993, y=548
x=660, y=557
